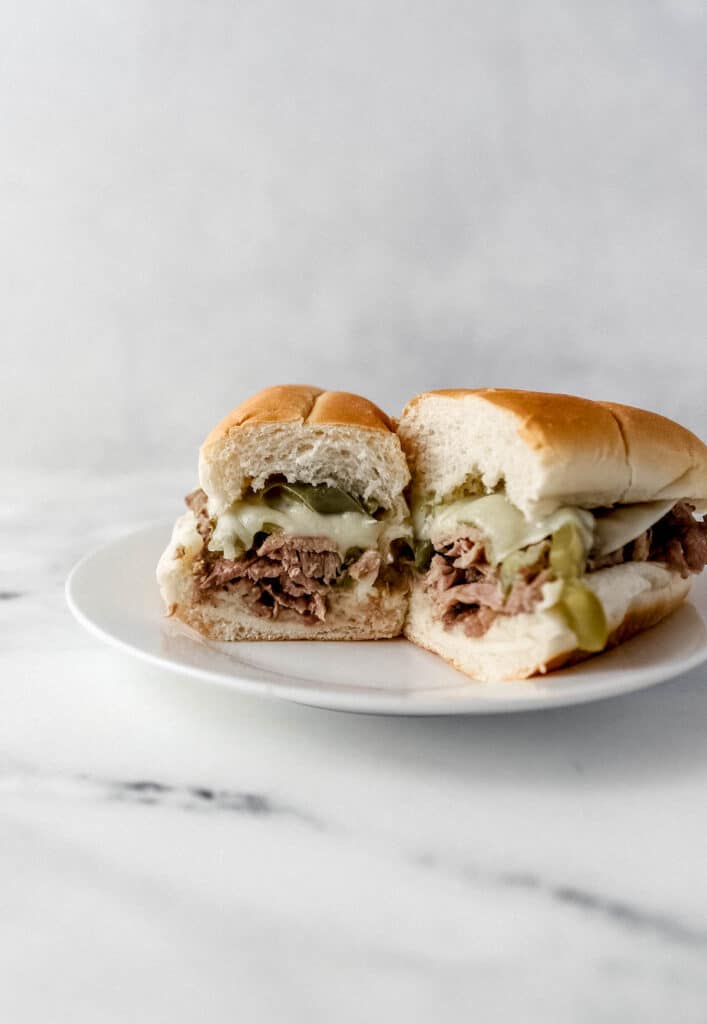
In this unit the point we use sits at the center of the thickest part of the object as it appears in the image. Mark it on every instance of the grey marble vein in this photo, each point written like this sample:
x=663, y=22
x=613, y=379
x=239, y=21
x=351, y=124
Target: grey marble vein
x=200, y=798
x=612, y=910
x=16, y=779
x=198, y=200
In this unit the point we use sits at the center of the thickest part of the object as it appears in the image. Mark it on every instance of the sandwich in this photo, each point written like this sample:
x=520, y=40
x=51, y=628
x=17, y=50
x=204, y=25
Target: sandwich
x=547, y=527
x=297, y=527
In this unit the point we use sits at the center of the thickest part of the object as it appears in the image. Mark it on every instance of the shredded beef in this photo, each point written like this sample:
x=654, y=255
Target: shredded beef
x=366, y=567
x=306, y=557
x=197, y=501
x=467, y=590
x=635, y=551
x=283, y=575
x=441, y=574
x=641, y=547
x=485, y=593
x=678, y=539
x=475, y=621
x=466, y=551
x=526, y=593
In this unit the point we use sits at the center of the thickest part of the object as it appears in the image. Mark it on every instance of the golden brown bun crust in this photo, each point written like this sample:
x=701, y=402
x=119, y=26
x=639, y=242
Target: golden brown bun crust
x=662, y=451
x=387, y=625
x=663, y=454
x=299, y=403
x=559, y=420
x=548, y=419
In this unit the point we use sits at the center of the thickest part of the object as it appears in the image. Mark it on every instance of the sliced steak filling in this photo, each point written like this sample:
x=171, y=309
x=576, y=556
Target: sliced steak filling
x=283, y=576
x=678, y=540
x=467, y=590
x=197, y=502
x=284, y=573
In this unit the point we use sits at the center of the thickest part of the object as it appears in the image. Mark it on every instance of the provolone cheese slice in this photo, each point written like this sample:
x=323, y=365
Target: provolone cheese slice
x=503, y=525
x=506, y=529
x=626, y=522
x=236, y=528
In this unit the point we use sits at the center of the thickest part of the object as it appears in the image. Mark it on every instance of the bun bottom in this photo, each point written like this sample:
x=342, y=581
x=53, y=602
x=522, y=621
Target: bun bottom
x=636, y=596
x=223, y=616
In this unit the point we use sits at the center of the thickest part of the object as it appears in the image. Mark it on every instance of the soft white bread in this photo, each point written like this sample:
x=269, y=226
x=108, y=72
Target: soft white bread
x=307, y=435
x=635, y=596
x=548, y=450
x=352, y=615
x=225, y=619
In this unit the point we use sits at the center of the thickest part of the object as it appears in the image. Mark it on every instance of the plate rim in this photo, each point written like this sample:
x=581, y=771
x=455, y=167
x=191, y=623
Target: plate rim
x=428, y=703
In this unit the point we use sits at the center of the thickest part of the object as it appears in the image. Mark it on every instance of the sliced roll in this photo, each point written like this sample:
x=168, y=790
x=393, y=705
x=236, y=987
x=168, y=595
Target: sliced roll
x=547, y=527
x=296, y=529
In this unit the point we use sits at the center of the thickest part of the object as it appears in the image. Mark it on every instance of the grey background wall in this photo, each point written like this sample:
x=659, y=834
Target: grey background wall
x=200, y=198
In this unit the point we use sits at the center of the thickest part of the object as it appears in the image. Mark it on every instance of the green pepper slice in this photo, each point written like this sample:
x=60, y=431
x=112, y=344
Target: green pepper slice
x=584, y=614
x=320, y=498
x=567, y=554
x=423, y=554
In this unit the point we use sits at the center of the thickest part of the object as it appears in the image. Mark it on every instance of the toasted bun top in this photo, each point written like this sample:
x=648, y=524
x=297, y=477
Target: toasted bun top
x=548, y=449
x=666, y=460
x=308, y=435
x=300, y=403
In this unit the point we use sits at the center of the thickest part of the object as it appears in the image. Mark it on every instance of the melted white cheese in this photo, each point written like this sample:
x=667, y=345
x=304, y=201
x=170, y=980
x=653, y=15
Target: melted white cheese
x=507, y=529
x=626, y=522
x=501, y=523
x=238, y=525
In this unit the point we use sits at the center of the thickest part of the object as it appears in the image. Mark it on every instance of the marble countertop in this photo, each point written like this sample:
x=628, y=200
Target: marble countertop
x=172, y=852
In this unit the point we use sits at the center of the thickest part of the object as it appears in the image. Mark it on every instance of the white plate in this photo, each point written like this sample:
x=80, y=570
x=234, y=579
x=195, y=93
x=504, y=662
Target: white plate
x=113, y=593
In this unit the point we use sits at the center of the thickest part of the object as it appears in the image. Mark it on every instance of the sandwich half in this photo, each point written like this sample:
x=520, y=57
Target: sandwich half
x=296, y=528
x=547, y=527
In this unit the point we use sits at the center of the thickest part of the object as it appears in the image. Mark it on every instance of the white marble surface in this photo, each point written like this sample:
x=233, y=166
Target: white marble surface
x=200, y=199
x=171, y=852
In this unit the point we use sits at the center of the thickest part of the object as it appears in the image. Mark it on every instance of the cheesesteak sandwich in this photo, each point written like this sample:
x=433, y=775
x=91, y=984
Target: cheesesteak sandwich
x=295, y=530
x=547, y=527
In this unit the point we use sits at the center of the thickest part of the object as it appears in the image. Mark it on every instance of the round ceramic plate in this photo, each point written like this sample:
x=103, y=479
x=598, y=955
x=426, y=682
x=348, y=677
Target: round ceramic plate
x=113, y=593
